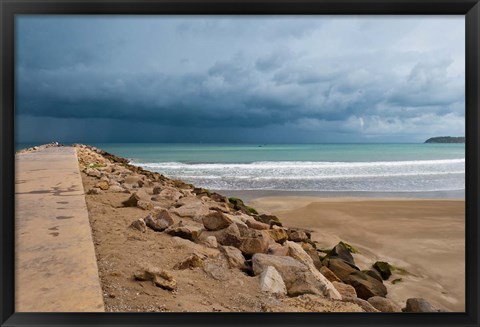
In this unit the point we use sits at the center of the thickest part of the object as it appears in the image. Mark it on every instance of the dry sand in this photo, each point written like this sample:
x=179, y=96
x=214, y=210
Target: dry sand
x=425, y=237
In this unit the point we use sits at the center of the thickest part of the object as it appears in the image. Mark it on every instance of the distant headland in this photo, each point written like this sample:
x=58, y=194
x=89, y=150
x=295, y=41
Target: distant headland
x=446, y=139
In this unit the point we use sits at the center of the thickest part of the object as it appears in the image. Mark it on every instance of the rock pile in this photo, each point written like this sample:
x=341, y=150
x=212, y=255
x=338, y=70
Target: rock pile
x=229, y=235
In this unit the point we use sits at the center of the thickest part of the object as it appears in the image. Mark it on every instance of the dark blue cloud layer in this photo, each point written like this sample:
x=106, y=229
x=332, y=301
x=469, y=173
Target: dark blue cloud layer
x=177, y=79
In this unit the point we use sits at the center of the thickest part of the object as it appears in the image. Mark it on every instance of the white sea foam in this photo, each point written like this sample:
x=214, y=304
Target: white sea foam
x=420, y=175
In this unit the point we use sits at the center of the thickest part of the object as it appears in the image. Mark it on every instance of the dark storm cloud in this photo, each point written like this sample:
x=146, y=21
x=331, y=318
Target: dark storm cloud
x=327, y=79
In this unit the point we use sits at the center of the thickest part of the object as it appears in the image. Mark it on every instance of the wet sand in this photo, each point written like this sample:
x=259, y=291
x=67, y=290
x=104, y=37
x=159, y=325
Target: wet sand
x=425, y=237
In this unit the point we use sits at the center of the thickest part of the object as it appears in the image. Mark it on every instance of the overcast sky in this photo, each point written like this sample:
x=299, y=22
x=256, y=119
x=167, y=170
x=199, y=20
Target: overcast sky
x=239, y=79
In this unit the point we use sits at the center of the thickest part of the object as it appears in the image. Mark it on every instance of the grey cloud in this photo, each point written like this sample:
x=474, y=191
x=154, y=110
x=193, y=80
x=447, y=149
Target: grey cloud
x=181, y=74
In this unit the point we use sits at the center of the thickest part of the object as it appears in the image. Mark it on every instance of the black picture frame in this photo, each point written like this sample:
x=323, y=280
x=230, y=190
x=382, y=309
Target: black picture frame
x=469, y=8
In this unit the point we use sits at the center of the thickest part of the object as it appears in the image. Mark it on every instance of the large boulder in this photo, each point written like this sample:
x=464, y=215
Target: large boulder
x=340, y=268
x=229, y=236
x=270, y=220
x=234, y=257
x=187, y=232
x=341, y=251
x=254, y=244
x=374, y=273
x=191, y=207
x=329, y=274
x=252, y=223
x=277, y=249
x=216, y=220
x=297, y=235
x=419, y=305
x=367, y=307
x=365, y=286
x=271, y=281
x=344, y=289
x=170, y=193
x=383, y=304
x=298, y=280
x=384, y=268
x=325, y=286
x=279, y=235
x=159, y=220
x=312, y=252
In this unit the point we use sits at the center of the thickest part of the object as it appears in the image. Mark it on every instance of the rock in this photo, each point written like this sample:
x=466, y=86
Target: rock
x=419, y=305
x=139, y=224
x=217, y=206
x=384, y=268
x=145, y=205
x=242, y=227
x=170, y=194
x=229, y=236
x=252, y=223
x=383, y=304
x=277, y=249
x=269, y=219
x=296, y=235
x=190, y=262
x=117, y=189
x=367, y=307
x=340, y=268
x=156, y=190
x=94, y=191
x=329, y=274
x=312, y=252
x=255, y=244
x=192, y=207
x=279, y=235
x=216, y=220
x=365, y=286
x=93, y=172
x=132, y=200
x=216, y=269
x=103, y=185
x=211, y=241
x=340, y=251
x=159, y=221
x=191, y=247
x=325, y=286
x=373, y=273
x=271, y=281
x=234, y=257
x=186, y=232
x=132, y=179
x=345, y=290
x=295, y=275
x=160, y=278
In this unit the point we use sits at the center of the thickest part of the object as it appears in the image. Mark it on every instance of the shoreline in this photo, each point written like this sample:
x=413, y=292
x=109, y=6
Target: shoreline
x=249, y=195
x=415, y=234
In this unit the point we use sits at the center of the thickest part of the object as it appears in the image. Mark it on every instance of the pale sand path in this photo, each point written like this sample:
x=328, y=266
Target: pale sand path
x=55, y=266
x=426, y=237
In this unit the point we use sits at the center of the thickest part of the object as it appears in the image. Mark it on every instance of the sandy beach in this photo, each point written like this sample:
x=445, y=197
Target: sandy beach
x=425, y=237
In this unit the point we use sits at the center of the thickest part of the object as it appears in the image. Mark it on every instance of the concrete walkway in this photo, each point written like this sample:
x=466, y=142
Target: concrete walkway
x=55, y=265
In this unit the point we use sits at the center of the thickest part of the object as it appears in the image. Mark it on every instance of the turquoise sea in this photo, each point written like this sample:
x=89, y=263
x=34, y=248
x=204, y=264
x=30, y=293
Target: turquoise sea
x=305, y=167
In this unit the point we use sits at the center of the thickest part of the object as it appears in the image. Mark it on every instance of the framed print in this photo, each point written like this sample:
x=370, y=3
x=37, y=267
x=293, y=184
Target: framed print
x=210, y=163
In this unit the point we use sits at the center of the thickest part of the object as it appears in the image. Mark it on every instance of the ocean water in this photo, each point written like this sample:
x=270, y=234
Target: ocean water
x=305, y=167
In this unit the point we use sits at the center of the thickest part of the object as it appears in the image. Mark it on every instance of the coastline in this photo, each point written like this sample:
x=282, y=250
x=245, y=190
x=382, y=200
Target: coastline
x=248, y=195
x=310, y=233
x=423, y=236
